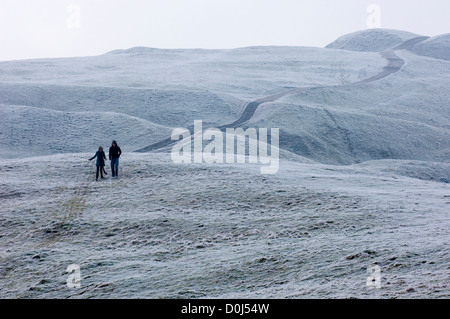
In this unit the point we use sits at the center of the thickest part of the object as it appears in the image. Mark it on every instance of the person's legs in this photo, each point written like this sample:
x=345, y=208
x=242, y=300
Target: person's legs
x=117, y=166
x=101, y=171
x=112, y=167
x=96, y=175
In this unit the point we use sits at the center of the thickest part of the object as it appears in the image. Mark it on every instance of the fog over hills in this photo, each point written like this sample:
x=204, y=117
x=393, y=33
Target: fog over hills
x=363, y=178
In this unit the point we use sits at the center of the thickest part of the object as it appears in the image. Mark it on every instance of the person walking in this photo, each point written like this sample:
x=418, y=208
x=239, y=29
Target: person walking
x=101, y=157
x=114, y=154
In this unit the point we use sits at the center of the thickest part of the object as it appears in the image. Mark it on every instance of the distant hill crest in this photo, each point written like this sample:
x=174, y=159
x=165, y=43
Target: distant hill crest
x=378, y=40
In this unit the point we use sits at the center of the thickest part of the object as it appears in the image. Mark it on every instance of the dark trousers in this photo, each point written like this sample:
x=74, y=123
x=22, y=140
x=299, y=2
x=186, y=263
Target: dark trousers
x=114, y=167
x=99, y=169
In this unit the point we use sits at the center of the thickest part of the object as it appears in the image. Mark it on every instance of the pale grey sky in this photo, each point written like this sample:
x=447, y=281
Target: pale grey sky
x=62, y=28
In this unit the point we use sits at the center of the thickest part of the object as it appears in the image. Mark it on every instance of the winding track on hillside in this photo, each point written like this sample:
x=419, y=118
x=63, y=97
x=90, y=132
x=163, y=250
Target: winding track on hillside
x=395, y=64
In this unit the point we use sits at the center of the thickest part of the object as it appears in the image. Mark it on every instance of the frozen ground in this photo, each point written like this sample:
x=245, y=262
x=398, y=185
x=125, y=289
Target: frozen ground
x=176, y=87
x=363, y=179
x=212, y=231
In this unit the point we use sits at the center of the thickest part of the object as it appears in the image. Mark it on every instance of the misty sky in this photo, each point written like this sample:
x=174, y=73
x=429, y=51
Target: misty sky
x=61, y=28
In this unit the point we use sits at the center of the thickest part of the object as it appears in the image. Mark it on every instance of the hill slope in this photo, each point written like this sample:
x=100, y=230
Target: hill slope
x=436, y=47
x=331, y=105
x=372, y=40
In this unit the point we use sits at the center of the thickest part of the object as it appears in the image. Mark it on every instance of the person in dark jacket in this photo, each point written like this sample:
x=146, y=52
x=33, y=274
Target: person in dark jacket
x=101, y=157
x=114, y=154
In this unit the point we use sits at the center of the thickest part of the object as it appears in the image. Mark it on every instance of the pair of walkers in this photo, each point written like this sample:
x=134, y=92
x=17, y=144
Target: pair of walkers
x=114, y=154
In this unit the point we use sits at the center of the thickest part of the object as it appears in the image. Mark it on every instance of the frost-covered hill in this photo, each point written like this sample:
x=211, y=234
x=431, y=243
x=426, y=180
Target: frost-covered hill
x=164, y=230
x=363, y=178
x=435, y=47
x=31, y=131
x=377, y=40
x=372, y=40
x=170, y=88
x=402, y=116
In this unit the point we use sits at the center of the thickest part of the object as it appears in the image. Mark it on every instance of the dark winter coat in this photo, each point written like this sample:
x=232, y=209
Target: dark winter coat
x=101, y=157
x=114, y=152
